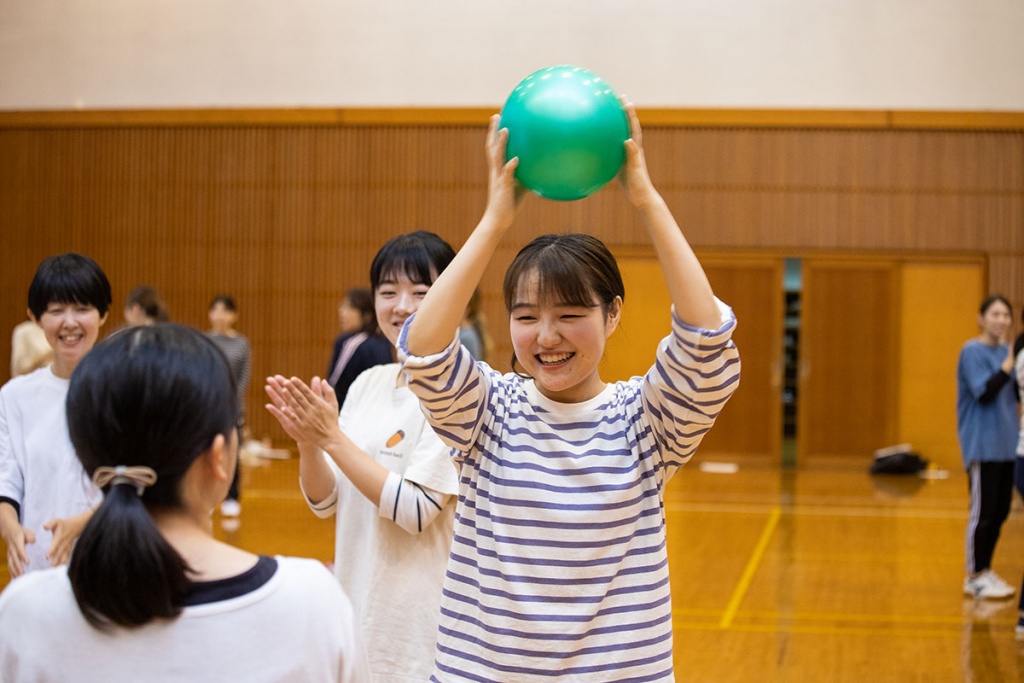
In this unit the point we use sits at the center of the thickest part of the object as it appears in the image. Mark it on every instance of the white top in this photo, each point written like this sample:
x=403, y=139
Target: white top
x=296, y=627
x=559, y=567
x=1020, y=389
x=393, y=577
x=38, y=467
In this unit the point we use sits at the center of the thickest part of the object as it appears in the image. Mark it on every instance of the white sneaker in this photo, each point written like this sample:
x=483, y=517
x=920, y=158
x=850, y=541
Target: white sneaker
x=230, y=508
x=987, y=586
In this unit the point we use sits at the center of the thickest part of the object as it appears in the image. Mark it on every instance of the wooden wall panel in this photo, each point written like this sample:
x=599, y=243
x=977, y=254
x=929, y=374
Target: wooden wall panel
x=287, y=216
x=939, y=304
x=849, y=357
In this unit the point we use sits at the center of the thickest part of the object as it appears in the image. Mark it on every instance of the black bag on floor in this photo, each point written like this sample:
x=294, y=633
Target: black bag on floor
x=903, y=462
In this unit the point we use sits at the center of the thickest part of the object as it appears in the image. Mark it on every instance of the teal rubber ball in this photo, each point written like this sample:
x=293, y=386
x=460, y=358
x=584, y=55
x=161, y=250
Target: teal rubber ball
x=567, y=126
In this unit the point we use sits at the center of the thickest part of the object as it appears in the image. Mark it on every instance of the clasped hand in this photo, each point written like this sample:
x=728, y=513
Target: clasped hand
x=308, y=413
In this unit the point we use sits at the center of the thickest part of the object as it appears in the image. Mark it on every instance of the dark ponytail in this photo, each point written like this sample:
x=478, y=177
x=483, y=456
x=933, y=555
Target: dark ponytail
x=119, y=546
x=154, y=397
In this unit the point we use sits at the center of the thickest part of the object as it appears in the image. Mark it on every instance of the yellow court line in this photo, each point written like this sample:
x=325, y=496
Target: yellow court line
x=791, y=618
x=812, y=617
x=750, y=569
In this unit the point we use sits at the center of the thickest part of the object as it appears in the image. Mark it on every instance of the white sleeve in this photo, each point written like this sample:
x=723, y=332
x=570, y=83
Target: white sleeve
x=329, y=505
x=12, y=481
x=1019, y=374
x=409, y=505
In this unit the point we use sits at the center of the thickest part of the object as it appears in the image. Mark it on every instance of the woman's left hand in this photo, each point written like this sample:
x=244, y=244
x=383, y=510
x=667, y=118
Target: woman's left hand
x=65, y=532
x=633, y=176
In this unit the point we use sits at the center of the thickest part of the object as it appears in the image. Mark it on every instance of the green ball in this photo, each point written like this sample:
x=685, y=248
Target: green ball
x=567, y=126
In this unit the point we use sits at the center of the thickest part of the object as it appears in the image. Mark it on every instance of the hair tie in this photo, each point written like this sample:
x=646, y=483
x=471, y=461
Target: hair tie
x=140, y=477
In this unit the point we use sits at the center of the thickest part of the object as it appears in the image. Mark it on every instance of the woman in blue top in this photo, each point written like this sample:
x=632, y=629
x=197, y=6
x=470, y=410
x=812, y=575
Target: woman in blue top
x=987, y=427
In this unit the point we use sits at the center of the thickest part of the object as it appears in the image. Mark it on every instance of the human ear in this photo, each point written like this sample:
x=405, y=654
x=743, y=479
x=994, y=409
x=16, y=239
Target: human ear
x=32, y=316
x=220, y=460
x=613, y=316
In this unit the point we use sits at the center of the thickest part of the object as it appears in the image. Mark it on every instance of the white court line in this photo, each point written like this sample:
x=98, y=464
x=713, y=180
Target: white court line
x=815, y=510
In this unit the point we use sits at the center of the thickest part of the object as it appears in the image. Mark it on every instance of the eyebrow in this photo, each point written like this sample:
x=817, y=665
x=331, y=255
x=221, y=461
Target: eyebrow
x=559, y=304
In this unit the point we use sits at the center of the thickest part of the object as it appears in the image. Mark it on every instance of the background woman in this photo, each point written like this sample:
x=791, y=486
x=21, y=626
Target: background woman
x=987, y=427
x=223, y=315
x=360, y=345
x=144, y=307
x=384, y=474
x=45, y=497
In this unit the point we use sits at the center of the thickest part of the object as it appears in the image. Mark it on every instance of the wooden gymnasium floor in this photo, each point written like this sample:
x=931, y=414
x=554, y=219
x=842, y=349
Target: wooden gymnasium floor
x=815, y=574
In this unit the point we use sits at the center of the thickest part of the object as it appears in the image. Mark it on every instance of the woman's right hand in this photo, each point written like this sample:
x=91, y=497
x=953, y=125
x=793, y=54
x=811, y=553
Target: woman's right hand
x=1011, y=360
x=308, y=414
x=17, y=557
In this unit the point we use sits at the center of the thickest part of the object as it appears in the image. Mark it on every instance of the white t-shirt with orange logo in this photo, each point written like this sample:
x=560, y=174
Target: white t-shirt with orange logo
x=394, y=578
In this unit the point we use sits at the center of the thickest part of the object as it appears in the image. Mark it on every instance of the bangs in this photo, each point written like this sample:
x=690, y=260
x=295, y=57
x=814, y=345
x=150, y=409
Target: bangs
x=420, y=256
x=416, y=269
x=69, y=279
x=558, y=284
x=572, y=269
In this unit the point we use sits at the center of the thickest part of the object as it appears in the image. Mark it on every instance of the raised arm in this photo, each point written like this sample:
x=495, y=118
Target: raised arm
x=440, y=314
x=688, y=286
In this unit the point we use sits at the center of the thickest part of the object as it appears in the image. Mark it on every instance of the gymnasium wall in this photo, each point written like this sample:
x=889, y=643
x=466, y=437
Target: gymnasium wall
x=285, y=214
x=869, y=54
x=266, y=149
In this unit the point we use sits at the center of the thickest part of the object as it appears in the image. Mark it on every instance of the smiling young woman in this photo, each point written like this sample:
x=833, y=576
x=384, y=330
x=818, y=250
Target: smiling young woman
x=45, y=497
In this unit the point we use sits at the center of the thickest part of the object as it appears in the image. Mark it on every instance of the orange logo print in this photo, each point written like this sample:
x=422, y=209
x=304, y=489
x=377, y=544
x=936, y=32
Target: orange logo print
x=395, y=439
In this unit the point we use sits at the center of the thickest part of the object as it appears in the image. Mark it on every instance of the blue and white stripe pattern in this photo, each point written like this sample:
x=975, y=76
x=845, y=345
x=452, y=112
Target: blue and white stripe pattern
x=558, y=567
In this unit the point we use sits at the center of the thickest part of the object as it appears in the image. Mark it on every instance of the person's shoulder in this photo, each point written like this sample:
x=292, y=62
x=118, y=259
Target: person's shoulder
x=341, y=339
x=29, y=383
x=972, y=345
x=384, y=375
x=303, y=566
x=309, y=576
x=27, y=328
x=378, y=347
x=32, y=594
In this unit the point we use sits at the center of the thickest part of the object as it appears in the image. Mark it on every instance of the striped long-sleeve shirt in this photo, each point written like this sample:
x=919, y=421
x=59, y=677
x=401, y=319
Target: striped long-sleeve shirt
x=558, y=567
x=239, y=356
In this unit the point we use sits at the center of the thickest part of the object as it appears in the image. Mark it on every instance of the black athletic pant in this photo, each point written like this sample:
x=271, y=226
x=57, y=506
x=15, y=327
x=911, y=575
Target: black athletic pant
x=991, y=488
x=1018, y=480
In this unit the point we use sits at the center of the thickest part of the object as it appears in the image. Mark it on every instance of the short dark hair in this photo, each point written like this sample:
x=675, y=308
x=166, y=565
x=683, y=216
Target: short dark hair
x=994, y=298
x=153, y=396
x=69, y=279
x=226, y=300
x=419, y=255
x=361, y=299
x=148, y=299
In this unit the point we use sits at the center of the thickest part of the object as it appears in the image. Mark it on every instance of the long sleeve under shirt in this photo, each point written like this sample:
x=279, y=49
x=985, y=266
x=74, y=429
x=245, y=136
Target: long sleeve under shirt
x=986, y=405
x=559, y=567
